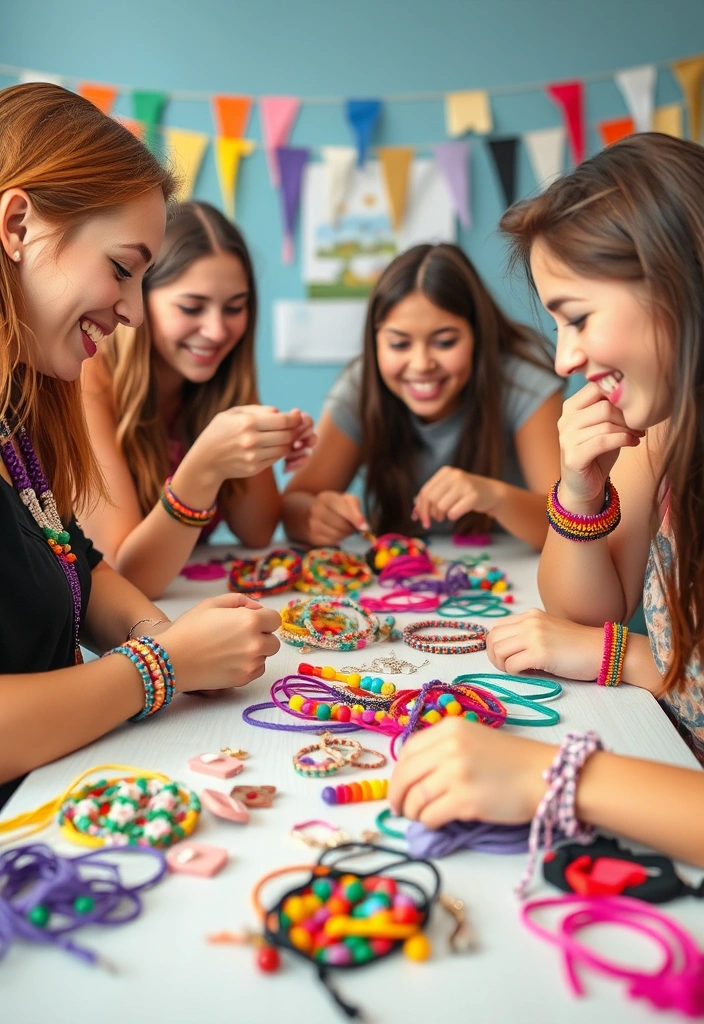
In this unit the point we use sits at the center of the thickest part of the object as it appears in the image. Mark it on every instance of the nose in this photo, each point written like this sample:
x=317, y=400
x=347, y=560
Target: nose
x=213, y=327
x=422, y=359
x=129, y=308
x=569, y=357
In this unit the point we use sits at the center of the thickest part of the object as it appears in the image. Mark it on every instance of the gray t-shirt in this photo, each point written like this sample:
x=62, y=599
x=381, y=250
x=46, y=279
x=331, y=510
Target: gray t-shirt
x=526, y=388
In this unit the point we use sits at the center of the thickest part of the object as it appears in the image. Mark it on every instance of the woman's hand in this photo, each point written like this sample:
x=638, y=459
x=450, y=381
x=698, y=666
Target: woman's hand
x=463, y=771
x=538, y=642
x=592, y=433
x=451, y=493
x=333, y=517
x=222, y=642
x=305, y=440
x=242, y=441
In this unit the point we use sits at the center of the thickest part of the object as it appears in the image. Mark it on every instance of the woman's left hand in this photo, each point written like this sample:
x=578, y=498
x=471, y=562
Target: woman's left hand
x=463, y=771
x=537, y=642
x=303, y=444
x=451, y=493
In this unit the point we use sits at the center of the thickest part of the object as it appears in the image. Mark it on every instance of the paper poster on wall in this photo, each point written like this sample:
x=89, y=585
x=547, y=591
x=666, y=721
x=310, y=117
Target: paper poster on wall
x=345, y=258
x=318, y=332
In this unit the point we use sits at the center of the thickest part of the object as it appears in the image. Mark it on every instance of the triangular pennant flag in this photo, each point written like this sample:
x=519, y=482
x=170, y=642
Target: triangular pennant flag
x=227, y=158
x=395, y=167
x=231, y=115
x=40, y=76
x=102, y=96
x=453, y=160
x=292, y=161
x=690, y=75
x=569, y=96
x=277, y=114
x=339, y=162
x=546, y=152
x=185, y=150
x=148, y=107
x=468, y=112
x=504, y=152
x=638, y=88
x=669, y=120
x=362, y=116
x=618, y=128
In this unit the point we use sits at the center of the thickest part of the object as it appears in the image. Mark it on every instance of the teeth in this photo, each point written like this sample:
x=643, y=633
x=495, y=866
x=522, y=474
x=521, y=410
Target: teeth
x=200, y=351
x=92, y=330
x=610, y=383
x=424, y=385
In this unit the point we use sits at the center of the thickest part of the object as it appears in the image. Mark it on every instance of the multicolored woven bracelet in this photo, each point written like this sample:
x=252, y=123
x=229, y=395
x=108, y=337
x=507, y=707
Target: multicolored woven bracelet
x=574, y=526
x=155, y=668
x=184, y=513
x=615, y=640
x=472, y=637
x=262, y=577
x=332, y=571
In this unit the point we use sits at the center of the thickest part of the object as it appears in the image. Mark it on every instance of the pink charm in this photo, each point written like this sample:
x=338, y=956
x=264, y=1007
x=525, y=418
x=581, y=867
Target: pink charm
x=198, y=859
x=220, y=766
x=204, y=571
x=224, y=806
x=254, y=796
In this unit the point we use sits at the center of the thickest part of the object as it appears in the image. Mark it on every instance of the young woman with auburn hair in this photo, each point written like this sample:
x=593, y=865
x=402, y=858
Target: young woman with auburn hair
x=82, y=211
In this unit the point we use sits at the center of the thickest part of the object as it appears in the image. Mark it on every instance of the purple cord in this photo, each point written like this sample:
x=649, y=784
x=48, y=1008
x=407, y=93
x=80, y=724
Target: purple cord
x=466, y=835
x=314, y=727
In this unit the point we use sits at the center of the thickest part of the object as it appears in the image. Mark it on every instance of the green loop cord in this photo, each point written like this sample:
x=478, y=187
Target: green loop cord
x=380, y=822
x=489, y=605
x=547, y=716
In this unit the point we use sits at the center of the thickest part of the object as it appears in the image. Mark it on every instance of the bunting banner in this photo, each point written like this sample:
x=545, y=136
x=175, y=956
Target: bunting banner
x=40, y=76
x=504, y=153
x=277, y=115
x=292, y=161
x=102, y=96
x=638, y=88
x=228, y=153
x=231, y=114
x=339, y=162
x=395, y=167
x=669, y=120
x=546, y=152
x=136, y=127
x=148, y=107
x=690, y=75
x=362, y=116
x=569, y=97
x=453, y=160
x=185, y=150
x=468, y=112
x=618, y=128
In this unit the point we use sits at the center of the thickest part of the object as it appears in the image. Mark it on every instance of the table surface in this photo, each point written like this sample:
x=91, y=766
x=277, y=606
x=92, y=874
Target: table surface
x=167, y=971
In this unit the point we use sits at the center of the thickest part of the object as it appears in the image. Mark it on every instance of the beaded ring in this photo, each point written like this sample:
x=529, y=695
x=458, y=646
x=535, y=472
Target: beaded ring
x=471, y=640
x=261, y=577
x=129, y=811
x=332, y=571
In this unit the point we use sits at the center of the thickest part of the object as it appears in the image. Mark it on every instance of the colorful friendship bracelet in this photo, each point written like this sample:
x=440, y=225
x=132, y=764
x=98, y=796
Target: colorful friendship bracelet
x=579, y=527
x=321, y=622
x=356, y=792
x=154, y=666
x=615, y=640
x=335, y=759
x=471, y=639
x=184, y=513
x=261, y=577
x=333, y=571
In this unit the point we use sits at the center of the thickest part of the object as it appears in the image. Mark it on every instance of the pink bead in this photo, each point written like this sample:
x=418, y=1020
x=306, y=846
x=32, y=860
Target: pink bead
x=344, y=713
x=320, y=917
x=368, y=716
x=402, y=899
x=307, y=708
x=338, y=954
x=381, y=946
x=388, y=886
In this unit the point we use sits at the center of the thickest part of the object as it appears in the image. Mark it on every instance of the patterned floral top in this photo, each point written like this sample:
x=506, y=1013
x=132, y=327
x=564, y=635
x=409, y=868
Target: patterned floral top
x=685, y=709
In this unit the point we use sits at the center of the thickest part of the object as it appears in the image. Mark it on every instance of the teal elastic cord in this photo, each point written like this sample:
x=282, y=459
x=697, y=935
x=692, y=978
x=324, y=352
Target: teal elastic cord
x=490, y=606
x=380, y=822
x=547, y=689
x=546, y=716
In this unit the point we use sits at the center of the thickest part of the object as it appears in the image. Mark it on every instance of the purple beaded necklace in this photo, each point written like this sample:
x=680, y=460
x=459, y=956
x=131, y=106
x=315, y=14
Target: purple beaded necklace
x=34, y=492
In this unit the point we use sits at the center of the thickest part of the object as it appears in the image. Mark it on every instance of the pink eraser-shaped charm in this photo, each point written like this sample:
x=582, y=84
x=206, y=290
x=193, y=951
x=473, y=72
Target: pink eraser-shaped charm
x=220, y=766
x=225, y=806
x=198, y=859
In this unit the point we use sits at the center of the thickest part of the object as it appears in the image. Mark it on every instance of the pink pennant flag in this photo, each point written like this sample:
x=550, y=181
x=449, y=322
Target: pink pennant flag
x=569, y=96
x=277, y=114
x=453, y=160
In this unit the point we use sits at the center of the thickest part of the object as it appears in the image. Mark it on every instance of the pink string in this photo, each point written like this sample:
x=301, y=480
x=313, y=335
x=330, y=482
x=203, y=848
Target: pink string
x=403, y=567
x=401, y=600
x=204, y=571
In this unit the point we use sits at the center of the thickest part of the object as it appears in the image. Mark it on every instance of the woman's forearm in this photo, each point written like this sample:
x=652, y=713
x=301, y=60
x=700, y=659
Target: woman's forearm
x=578, y=581
x=115, y=606
x=253, y=512
x=296, y=515
x=522, y=513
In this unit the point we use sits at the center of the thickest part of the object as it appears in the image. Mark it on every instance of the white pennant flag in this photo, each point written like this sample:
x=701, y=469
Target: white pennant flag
x=546, y=150
x=638, y=88
x=40, y=76
x=340, y=162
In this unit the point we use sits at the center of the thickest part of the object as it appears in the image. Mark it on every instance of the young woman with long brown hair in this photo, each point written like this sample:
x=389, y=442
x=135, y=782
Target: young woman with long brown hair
x=177, y=397
x=82, y=210
x=615, y=252
x=451, y=413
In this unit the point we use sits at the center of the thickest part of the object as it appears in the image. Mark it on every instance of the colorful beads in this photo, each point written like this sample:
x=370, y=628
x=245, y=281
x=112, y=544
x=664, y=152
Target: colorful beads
x=184, y=513
x=472, y=635
x=394, y=545
x=355, y=792
x=261, y=577
x=323, y=623
x=582, y=527
x=372, y=684
x=332, y=571
x=615, y=640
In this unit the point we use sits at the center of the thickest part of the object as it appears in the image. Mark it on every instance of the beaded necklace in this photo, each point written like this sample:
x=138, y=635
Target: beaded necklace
x=35, y=494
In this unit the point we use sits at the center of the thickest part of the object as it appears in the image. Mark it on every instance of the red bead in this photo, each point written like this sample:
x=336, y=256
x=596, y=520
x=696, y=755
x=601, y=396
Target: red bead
x=508, y=599
x=405, y=915
x=268, y=960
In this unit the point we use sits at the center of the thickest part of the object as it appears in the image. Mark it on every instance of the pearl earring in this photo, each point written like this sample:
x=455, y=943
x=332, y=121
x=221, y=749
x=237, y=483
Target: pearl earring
x=17, y=255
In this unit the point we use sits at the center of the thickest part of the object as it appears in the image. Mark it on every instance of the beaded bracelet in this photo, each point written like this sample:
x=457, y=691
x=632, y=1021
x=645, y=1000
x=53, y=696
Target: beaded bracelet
x=390, y=546
x=615, y=640
x=352, y=679
x=262, y=577
x=319, y=622
x=154, y=666
x=579, y=527
x=472, y=639
x=332, y=571
x=184, y=513
x=305, y=765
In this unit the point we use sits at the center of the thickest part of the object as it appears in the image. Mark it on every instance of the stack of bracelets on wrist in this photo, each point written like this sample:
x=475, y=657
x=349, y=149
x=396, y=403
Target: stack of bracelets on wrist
x=332, y=571
x=261, y=577
x=154, y=666
x=472, y=637
x=320, y=622
x=615, y=639
x=184, y=513
x=581, y=527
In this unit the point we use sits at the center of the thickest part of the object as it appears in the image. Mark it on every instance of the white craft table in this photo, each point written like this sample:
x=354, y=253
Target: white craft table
x=167, y=972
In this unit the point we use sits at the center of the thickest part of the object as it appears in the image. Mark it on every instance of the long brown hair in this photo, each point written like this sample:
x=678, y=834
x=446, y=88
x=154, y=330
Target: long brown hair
x=446, y=276
x=635, y=212
x=196, y=230
x=74, y=163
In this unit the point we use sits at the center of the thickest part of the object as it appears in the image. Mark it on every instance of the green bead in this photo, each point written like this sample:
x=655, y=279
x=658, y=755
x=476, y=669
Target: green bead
x=64, y=537
x=323, y=712
x=83, y=904
x=354, y=940
x=284, y=920
x=322, y=889
x=471, y=716
x=355, y=891
x=362, y=952
x=39, y=915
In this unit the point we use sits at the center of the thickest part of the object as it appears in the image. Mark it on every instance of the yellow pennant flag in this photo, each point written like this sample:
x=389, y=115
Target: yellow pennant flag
x=185, y=151
x=227, y=157
x=395, y=166
x=668, y=120
x=468, y=112
x=690, y=75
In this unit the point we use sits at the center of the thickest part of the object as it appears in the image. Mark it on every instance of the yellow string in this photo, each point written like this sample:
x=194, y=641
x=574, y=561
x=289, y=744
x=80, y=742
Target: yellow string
x=42, y=816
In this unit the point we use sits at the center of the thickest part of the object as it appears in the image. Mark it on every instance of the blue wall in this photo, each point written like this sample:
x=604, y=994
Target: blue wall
x=360, y=48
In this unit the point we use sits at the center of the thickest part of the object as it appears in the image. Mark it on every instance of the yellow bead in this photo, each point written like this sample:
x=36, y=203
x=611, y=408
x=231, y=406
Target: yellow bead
x=384, y=788
x=294, y=909
x=376, y=788
x=328, y=672
x=354, y=679
x=311, y=903
x=301, y=939
x=417, y=948
x=403, y=719
x=500, y=586
x=381, y=558
x=379, y=716
x=358, y=707
x=296, y=702
x=432, y=717
x=366, y=789
x=453, y=708
x=388, y=689
x=348, y=880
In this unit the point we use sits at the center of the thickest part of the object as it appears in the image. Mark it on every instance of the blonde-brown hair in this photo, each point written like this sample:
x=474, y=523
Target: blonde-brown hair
x=74, y=163
x=196, y=230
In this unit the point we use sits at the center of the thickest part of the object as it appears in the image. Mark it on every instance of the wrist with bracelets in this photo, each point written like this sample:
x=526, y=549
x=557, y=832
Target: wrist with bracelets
x=575, y=526
x=156, y=671
x=183, y=513
x=615, y=640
